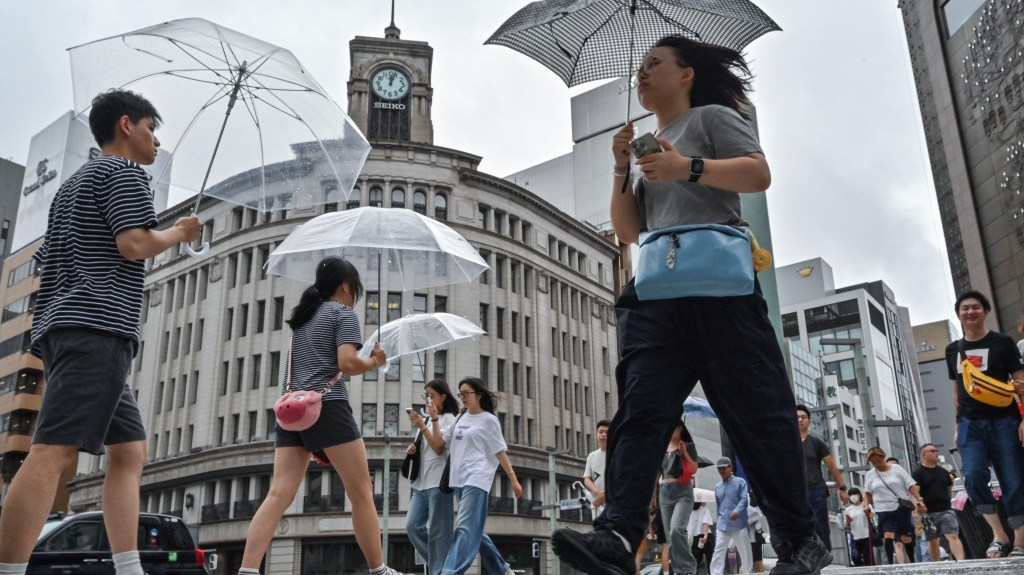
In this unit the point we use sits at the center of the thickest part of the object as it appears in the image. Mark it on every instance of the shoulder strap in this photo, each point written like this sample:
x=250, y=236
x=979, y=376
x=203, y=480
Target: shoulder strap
x=288, y=372
x=960, y=346
x=641, y=204
x=884, y=482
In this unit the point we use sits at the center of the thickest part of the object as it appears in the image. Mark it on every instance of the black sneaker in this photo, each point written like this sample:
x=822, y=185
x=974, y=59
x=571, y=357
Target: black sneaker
x=600, y=552
x=802, y=557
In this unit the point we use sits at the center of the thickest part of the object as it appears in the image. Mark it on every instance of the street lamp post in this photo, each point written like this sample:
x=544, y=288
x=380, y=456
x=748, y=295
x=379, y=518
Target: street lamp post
x=863, y=386
x=553, y=502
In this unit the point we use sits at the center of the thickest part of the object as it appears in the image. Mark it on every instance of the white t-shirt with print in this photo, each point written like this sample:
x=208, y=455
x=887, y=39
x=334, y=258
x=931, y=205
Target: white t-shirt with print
x=473, y=441
x=432, y=462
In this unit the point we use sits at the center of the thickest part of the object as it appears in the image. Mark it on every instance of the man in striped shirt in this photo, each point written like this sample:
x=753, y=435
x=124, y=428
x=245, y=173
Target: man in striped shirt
x=101, y=228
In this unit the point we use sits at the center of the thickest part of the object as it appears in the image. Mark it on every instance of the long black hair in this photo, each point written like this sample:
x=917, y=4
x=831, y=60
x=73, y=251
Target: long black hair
x=488, y=401
x=331, y=273
x=439, y=385
x=714, y=78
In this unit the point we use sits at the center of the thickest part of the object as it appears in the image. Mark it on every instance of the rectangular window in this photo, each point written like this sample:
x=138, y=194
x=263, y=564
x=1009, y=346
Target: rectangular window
x=199, y=334
x=575, y=350
x=186, y=341
x=515, y=327
x=257, y=373
x=566, y=394
x=193, y=390
x=391, y=419
x=589, y=400
x=586, y=355
x=576, y=397
x=441, y=364
x=499, y=271
x=264, y=257
x=204, y=278
x=182, y=390
x=164, y=346
x=554, y=342
x=394, y=306
x=513, y=277
x=529, y=432
x=261, y=313
x=270, y=428
x=516, y=424
x=243, y=320
x=229, y=322
x=558, y=393
x=395, y=372
x=239, y=373
x=485, y=276
x=605, y=361
x=419, y=366
x=485, y=367
x=529, y=382
x=372, y=308
x=275, y=368
x=369, y=419
x=253, y=436
x=278, y=312
x=419, y=303
x=499, y=326
x=236, y=427
x=224, y=368
x=158, y=398
x=246, y=266
x=515, y=378
x=484, y=313
x=232, y=273
x=528, y=331
x=501, y=375
x=175, y=342
x=527, y=281
x=440, y=304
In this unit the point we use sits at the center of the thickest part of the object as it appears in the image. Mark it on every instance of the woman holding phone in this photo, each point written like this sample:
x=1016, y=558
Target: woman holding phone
x=476, y=448
x=429, y=505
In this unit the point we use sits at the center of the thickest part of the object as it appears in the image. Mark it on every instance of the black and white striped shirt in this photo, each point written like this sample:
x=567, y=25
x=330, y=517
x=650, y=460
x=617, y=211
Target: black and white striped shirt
x=86, y=282
x=314, y=353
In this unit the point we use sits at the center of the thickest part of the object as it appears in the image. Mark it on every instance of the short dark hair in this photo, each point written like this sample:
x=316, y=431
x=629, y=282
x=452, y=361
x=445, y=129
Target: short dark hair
x=973, y=294
x=926, y=446
x=603, y=423
x=853, y=491
x=892, y=459
x=804, y=409
x=110, y=106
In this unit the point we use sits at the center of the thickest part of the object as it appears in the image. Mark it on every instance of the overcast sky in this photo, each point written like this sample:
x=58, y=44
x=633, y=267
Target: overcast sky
x=837, y=109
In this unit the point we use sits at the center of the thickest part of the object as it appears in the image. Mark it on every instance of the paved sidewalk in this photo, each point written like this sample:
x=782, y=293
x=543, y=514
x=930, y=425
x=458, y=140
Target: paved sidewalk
x=971, y=567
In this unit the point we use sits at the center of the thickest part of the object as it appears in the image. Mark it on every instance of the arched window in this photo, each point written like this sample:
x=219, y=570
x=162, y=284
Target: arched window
x=419, y=201
x=376, y=197
x=441, y=207
x=397, y=198
x=354, y=198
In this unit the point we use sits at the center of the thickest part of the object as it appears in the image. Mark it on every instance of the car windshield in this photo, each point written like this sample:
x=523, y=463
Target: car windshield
x=47, y=529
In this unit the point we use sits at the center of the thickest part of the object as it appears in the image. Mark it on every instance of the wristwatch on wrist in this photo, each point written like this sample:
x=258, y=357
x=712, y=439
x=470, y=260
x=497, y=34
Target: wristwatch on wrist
x=696, y=168
x=842, y=488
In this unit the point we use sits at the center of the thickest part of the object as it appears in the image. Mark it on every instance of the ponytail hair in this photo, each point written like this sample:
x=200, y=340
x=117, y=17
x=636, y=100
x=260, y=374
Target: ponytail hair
x=720, y=75
x=488, y=401
x=331, y=273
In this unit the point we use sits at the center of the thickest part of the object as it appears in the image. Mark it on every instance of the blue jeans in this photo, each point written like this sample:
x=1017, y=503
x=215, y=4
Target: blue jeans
x=818, y=497
x=470, y=538
x=676, y=502
x=437, y=509
x=995, y=440
x=730, y=346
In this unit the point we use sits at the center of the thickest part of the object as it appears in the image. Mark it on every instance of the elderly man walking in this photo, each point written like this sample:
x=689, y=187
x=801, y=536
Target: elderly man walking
x=936, y=485
x=731, y=497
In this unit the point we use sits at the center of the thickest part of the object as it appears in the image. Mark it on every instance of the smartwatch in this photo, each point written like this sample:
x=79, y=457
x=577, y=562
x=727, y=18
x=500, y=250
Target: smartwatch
x=696, y=168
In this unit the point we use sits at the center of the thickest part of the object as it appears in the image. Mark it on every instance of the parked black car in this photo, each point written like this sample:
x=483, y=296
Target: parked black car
x=77, y=544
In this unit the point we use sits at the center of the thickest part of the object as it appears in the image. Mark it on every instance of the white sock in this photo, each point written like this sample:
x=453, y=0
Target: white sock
x=378, y=570
x=127, y=563
x=13, y=568
x=248, y=571
x=624, y=541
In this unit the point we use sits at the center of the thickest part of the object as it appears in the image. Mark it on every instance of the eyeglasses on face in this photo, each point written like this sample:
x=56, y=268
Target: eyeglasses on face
x=646, y=68
x=802, y=417
x=465, y=394
x=931, y=450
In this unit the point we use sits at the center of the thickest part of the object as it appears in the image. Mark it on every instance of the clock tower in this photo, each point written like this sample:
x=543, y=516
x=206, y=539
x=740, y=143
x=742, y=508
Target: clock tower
x=389, y=93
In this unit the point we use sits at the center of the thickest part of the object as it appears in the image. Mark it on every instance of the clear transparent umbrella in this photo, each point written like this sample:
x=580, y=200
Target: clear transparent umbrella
x=697, y=407
x=244, y=121
x=391, y=247
x=421, y=332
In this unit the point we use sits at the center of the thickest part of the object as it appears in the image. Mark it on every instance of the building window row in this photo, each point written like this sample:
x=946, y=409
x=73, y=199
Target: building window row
x=398, y=198
x=504, y=224
x=19, y=307
x=23, y=272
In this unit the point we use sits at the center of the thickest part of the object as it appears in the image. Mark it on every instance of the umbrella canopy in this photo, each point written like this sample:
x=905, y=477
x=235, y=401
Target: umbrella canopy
x=703, y=462
x=399, y=248
x=282, y=141
x=421, y=332
x=701, y=495
x=697, y=407
x=586, y=40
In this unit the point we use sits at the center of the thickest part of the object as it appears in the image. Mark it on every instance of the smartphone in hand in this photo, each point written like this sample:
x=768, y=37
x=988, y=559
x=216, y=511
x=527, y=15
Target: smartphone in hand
x=645, y=144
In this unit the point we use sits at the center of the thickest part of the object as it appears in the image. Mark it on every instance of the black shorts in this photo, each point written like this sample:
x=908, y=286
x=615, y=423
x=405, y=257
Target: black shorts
x=899, y=522
x=87, y=402
x=336, y=425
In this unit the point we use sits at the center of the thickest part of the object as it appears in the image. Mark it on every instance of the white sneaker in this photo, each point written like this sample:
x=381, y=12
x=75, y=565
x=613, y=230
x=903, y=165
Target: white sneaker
x=509, y=571
x=390, y=571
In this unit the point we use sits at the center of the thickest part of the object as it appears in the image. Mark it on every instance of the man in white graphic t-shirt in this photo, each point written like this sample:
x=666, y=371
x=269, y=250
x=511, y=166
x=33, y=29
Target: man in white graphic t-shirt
x=593, y=475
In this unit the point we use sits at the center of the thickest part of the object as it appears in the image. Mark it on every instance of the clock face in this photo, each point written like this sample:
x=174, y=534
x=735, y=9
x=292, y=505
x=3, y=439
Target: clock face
x=390, y=84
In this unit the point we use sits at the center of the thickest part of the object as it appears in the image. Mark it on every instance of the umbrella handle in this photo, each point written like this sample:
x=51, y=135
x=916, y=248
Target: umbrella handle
x=387, y=366
x=197, y=253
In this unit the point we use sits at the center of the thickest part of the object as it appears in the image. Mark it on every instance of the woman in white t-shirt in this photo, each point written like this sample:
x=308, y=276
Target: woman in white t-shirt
x=429, y=506
x=476, y=447
x=884, y=486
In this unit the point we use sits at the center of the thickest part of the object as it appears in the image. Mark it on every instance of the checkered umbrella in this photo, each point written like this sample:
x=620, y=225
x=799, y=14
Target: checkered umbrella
x=586, y=40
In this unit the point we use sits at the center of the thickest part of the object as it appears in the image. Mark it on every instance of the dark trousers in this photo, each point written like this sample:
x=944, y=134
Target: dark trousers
x=730, y=346
x=818, y=497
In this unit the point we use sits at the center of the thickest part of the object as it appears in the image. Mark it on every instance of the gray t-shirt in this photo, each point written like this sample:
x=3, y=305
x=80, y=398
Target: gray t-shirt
x=712, y=132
